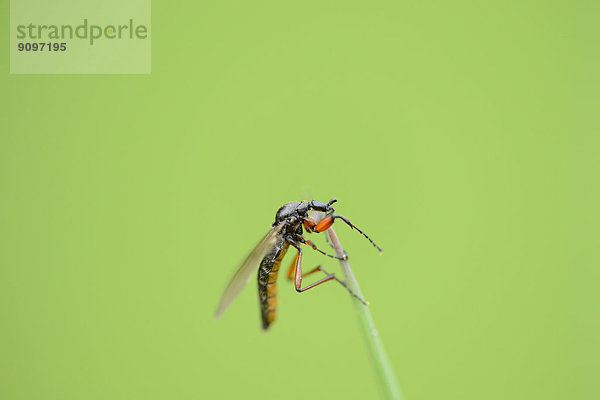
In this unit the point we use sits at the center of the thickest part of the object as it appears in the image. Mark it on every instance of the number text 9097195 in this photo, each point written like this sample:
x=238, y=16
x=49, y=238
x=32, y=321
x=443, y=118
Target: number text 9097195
x=42, y=46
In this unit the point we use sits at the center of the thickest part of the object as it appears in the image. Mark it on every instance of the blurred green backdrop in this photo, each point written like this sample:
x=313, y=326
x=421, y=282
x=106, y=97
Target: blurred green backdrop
x=462, y=136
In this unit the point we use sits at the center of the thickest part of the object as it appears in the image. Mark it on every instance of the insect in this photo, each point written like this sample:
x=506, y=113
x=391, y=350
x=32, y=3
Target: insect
x=286, y=231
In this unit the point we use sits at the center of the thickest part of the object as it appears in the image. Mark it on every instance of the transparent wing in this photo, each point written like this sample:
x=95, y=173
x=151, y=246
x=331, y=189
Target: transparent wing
x=249, y=265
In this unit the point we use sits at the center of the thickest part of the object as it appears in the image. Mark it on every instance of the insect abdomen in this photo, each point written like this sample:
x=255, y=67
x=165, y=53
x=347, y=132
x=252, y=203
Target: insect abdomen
x=267, y=282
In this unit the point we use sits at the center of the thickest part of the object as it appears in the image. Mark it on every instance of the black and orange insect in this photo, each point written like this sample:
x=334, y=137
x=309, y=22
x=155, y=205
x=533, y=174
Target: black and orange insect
x=269, y=252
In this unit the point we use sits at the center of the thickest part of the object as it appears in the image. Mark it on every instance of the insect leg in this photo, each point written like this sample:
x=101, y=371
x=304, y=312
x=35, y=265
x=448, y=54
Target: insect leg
x=329, y=277
x=292, y=267
x=314, y=247
x=326, y=222
x=309, y=224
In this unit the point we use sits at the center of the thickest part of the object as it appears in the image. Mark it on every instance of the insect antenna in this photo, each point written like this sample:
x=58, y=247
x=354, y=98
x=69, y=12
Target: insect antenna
x=358, y=229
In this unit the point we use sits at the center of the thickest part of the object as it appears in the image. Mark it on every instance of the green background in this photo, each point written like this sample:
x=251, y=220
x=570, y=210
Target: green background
x=462, y=136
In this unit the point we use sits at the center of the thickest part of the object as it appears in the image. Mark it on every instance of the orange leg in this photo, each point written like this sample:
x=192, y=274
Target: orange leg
x=329, y=277
x=292, y=267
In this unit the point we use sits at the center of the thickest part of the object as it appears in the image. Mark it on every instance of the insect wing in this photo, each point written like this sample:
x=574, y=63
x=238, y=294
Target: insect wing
x=249, y=265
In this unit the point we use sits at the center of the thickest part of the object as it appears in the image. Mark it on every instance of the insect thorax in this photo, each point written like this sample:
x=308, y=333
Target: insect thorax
x=287, y=210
